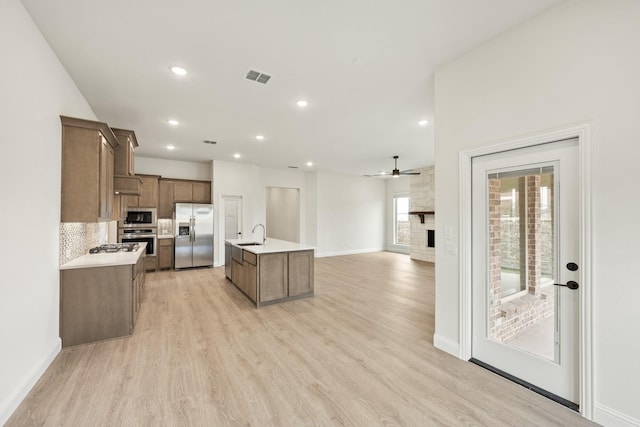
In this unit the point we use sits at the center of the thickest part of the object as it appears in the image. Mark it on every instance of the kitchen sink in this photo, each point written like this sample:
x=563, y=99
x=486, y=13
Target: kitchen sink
x=250, y=244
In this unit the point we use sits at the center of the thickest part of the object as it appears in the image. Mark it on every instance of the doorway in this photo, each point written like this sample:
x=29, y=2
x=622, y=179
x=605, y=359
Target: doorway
x=283, y=213
x=474, y=322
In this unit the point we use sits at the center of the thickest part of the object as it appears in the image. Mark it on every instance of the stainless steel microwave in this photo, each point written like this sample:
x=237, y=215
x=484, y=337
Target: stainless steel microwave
x=138, y=217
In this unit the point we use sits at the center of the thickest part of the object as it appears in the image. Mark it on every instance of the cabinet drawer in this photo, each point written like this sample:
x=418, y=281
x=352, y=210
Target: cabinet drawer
x=249, y=257
x=165, y=242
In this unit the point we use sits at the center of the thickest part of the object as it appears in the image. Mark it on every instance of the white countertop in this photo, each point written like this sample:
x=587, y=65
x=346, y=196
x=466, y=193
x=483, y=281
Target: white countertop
x=105, y=260
x=165, y=236
x=271, y=246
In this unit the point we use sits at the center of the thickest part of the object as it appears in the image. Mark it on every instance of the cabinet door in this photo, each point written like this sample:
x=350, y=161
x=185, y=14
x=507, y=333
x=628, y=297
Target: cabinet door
x=165, y=253
x=237, y=273
x=182, y=191
x=251, y=280
x=273, y=276
x=148, y=197
x=300, y=273
x=165, y=199
x=201, y=192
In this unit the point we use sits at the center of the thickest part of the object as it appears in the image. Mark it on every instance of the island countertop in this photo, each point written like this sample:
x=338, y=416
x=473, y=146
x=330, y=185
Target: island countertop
x=270, y=246
x=105, y=259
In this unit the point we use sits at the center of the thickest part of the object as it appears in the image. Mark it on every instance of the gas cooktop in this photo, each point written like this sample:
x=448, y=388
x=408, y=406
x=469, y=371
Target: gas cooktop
x=114, y=247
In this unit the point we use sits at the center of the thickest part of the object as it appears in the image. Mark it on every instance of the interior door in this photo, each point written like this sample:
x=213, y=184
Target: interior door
x=232, y=214
x=525, y=243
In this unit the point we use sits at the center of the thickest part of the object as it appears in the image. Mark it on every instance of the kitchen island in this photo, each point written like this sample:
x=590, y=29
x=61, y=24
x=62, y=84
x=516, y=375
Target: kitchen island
x=271, y=272
x=100, y=296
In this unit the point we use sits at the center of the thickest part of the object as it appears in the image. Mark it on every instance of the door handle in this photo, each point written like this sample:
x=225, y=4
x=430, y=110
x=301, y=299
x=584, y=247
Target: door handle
x=570, y=284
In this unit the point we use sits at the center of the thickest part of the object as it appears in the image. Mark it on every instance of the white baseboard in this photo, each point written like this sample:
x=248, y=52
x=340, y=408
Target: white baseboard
x=397, y=249
x=354, y=252
x=14, y=399
x=446, y=345
x=611, y=418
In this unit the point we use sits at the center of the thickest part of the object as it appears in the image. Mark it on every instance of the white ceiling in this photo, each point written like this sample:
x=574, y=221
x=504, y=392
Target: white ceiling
x=365, y=67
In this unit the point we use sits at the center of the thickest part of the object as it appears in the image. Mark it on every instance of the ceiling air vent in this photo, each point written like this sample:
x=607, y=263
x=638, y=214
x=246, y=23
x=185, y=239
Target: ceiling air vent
x=256, y=76
x=208, y=141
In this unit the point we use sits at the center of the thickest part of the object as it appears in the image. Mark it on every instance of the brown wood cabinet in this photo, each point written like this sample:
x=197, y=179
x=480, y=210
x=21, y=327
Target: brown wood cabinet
x=273, y=277
x=165, y=254
x=191, y=191
x=124, y=153
x=87, y=170
x=172, y=191
x=148, y=197
x=165, y=199
x=151, y=263
x=300, y=273
x=270, y=278
x=99, y=303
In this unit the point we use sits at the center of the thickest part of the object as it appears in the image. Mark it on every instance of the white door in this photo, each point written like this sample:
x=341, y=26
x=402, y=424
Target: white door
x=525, y=243
x=232, y=217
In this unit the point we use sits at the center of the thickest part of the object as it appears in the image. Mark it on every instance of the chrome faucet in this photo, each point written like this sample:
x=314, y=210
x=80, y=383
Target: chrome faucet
x=264, y=232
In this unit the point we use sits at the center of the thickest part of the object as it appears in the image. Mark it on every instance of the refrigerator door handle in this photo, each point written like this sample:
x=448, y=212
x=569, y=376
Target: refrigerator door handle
x=192, y=232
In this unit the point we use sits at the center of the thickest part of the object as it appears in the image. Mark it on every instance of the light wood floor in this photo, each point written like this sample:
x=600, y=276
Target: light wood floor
x=358, y=354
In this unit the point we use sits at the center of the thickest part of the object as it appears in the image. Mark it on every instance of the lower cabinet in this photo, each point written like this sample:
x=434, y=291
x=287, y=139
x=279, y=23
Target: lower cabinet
x=273, y=277
x=165, y=254
x=151, y=263
x=99, y=303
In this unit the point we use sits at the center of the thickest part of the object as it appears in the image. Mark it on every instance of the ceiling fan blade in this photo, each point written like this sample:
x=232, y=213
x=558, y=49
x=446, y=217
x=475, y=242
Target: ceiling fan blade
x=409, y=173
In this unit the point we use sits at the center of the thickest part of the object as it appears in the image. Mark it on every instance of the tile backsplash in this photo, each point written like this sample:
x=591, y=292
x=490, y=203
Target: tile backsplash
x=76, y=238
x=165, y=227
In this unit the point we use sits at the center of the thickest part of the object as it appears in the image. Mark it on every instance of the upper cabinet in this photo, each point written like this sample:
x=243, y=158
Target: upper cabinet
x=165, y=199
x=172, y=191
x=192, y=191
x=125, y=183
x=88, y=149
x=148, y=194
x=124, y=157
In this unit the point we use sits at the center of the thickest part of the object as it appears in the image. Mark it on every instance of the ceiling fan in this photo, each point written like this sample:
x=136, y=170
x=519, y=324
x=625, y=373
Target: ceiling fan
x=396, y=172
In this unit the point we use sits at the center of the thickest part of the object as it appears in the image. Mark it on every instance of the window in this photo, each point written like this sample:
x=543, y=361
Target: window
x=401, y=231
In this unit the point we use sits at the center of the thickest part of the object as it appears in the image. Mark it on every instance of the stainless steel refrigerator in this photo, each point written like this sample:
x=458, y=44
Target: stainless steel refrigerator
x=194, y=235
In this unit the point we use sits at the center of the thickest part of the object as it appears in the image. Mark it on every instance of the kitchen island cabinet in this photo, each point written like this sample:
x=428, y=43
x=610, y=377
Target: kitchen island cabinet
x=100, y=296
x=270, y=273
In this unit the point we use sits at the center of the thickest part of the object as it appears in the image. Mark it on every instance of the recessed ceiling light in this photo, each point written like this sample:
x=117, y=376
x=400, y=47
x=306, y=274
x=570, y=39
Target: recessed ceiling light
x=423, y=122
x=171, y=147
x=302, y=103
x=237, y=156
x=309, y=164
x=179, y=71
x=173, y=122
x=259, y=137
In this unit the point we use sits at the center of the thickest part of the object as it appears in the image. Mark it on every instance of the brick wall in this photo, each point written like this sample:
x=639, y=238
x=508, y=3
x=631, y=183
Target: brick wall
x=422, y=198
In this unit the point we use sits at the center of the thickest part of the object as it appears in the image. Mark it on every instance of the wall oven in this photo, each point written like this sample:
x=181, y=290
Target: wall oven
x=138, y=217
x=140, y=235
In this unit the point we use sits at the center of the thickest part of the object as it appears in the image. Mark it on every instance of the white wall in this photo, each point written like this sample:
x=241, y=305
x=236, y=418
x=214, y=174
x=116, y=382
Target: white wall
x=351, y=214
x=173, y=168
x=578, y=62
x=393, y=186
x=35, y=90
x=235, y=179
